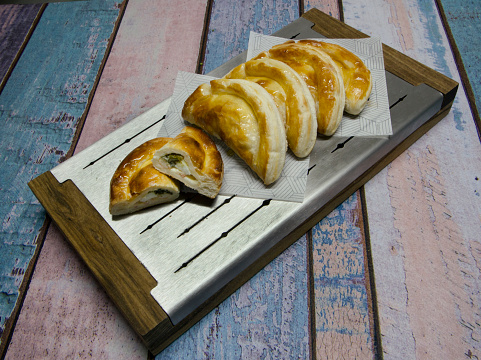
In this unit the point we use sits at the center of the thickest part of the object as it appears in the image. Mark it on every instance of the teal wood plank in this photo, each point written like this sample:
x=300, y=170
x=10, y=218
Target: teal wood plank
x=464, y=21
x=16, y=21
x=40, y=108
x=268, y=317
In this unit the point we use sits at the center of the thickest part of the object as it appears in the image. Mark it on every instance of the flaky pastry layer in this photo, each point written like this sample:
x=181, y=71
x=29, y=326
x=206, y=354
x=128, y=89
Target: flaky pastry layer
x=291, y=95
x=136, y=184
x=322, y=76
x=192, y=158
x=243, y=115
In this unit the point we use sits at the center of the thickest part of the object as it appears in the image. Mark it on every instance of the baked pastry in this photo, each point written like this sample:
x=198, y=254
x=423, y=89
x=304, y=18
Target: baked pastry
x=292, y=97
x=244, y=116
x=192, y=158
x=322, y=76
x=136, y=184
x=356, y=75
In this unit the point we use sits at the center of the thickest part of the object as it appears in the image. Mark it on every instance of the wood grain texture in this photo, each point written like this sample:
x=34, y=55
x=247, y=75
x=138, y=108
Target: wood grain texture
x=40, y=107
x=424, y=211
x=343, y=325
x=139, y=73
x=123, y=277
x=16, y=23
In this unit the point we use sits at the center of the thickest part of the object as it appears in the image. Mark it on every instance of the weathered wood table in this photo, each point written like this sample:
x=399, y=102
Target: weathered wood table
x=393, y=272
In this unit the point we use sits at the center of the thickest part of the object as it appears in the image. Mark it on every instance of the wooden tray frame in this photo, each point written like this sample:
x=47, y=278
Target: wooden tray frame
x=127, y=281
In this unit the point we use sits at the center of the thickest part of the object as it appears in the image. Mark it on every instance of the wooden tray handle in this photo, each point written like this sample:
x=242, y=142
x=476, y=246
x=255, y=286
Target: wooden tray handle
x=125, y=279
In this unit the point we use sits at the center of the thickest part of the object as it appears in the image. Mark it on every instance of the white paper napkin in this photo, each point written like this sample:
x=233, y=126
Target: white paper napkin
x=375, y=118
x=239, y=179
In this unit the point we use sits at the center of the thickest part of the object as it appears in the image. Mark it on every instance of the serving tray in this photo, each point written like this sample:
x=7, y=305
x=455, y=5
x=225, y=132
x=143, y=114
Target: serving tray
x=166, y=267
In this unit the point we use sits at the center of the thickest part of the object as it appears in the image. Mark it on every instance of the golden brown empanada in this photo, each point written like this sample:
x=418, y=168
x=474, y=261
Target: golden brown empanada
x=356, y=75
x=292, y=97
x=322, y=76
x=136, y=184
x=192, y=158
x=243, y=115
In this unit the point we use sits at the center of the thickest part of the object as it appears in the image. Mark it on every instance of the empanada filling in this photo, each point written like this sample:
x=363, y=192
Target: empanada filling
x=173, y=159
x=154, y=194
x=162, y=191
x=177, y=163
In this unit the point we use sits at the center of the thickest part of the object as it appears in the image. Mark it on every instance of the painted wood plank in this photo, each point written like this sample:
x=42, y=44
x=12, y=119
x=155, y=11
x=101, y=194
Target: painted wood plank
x=16, y=22
x=139, y=73
x=343, y=320
x=40, y=107
x=342, y=301
x=424, y=209
x=463, y=21
x=225, y=41
x=268, y=317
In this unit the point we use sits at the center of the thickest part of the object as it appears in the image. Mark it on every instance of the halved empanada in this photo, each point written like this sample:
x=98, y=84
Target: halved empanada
x=356, y=75
x=243, y=115
x=292, y=97
x=192, y=158
x=136, y=184
x=322, y=76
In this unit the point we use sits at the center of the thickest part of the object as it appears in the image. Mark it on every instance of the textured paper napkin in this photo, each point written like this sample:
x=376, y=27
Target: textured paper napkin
x=239, y=179
x=375, y=118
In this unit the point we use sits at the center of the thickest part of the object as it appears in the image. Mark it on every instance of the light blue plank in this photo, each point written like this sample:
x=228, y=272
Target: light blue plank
x=232, y=21
x=340, y=283
x=464, y=20
x=268, y=317
x=40, y=108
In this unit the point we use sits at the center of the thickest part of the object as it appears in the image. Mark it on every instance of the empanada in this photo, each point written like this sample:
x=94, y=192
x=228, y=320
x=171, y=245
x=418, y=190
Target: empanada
x=356, y=75
x=136, y=184
x=192, y=158
x=243, y=115
x=292, y=97
x=322, y=76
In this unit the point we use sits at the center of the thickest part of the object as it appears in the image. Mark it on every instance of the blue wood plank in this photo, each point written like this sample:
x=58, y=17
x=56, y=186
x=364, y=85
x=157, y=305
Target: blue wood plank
x=464, y=20
x=342, y=303
x=232, y=21
x=40, y=108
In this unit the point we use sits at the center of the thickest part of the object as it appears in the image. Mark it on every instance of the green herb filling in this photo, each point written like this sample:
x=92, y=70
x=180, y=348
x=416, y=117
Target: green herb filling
x=173, y=159
x=162, y=191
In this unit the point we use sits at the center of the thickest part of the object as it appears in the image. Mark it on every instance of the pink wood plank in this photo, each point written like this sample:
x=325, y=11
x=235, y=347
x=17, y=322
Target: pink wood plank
x=424, y=209
x=65, y=313
x=160, y=38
